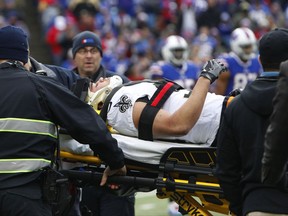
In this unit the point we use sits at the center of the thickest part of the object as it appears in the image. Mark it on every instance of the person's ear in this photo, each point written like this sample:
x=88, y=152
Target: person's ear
x=28, y=65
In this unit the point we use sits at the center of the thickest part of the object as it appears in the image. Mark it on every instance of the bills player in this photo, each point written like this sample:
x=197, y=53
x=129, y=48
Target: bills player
x=242, y=62
x=175, y=65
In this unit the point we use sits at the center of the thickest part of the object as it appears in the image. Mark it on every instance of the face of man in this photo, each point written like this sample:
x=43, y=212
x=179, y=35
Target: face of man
x=87, y=60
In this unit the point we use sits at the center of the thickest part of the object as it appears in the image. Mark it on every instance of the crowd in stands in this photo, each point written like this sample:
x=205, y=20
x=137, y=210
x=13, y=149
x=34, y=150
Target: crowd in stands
x=133, y=31
x=10, y=15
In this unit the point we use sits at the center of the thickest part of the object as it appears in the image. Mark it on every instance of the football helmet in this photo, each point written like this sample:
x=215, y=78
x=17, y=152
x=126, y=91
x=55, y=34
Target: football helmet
x=175, y=50
x=243, y=43
x=97, y=99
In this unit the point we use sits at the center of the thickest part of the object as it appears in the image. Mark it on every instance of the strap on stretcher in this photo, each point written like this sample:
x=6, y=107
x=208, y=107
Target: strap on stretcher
x=152, y=107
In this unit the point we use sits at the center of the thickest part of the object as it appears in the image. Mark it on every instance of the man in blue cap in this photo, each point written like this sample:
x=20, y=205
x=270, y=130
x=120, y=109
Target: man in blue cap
x=87, y=54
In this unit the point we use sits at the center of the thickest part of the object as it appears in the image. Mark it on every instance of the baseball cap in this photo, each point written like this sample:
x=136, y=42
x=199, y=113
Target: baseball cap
x=84, y=39
x=273, y=47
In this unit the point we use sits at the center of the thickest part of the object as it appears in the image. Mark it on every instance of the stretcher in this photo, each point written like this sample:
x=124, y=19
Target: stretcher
x=179, y=171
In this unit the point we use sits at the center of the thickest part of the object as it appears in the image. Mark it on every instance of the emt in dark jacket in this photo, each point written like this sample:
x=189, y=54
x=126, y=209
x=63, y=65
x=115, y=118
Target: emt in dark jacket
x=32, y=106
x=241, y=136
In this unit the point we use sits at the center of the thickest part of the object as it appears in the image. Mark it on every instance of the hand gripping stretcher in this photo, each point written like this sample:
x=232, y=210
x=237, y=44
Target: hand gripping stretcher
x=181, y=172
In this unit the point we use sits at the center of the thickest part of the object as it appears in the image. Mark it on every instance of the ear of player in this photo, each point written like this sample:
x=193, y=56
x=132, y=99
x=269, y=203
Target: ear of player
x=212, y=69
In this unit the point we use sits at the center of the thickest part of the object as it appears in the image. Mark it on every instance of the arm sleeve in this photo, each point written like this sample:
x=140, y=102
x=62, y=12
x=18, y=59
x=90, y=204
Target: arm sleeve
x=275, y=148
x=81, y=122
x=228, y=166
x=64, y=76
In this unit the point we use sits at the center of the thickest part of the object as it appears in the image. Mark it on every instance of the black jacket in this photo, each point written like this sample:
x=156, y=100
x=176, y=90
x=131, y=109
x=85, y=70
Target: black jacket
x=276, y=149
x=62, y=75
x=240, y=150
x=26, y=96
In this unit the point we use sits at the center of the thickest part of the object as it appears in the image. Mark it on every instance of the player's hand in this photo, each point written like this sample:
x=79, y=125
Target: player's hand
x=212, y=69
x=108, y=172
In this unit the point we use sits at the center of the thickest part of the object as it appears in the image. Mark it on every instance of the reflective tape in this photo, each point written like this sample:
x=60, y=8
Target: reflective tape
x=22, y=165
x=20, y=125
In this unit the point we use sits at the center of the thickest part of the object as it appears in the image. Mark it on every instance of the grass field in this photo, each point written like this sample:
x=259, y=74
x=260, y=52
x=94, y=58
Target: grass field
x=147, y=204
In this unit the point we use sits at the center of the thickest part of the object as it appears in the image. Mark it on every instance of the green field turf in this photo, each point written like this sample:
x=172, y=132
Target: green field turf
x=147, y=204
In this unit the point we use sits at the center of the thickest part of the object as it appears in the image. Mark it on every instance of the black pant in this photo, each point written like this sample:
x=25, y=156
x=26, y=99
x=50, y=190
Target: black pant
x=102, y=203
x=23, y=201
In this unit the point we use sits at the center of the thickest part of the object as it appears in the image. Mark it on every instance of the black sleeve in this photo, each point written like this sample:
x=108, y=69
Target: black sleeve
x=81, y=122
x=228, y=166
x=64, y=76
x=276, y=149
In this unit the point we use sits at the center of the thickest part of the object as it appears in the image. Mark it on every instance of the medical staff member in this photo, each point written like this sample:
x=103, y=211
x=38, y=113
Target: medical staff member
x=32, y=107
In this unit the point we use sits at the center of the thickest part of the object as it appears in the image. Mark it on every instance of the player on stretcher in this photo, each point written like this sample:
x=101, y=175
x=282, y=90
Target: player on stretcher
x=158, y=111
x=161, y=110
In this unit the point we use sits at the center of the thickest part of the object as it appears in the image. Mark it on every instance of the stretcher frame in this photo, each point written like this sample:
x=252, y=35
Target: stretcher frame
x=185, y=175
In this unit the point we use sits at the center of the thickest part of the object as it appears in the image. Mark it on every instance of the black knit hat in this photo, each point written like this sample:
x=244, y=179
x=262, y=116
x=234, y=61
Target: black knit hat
x=13, y=44
x=273, y=47
x=84, y=39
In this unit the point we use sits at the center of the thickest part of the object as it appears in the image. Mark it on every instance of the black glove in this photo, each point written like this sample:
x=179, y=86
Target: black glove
x=212, y=69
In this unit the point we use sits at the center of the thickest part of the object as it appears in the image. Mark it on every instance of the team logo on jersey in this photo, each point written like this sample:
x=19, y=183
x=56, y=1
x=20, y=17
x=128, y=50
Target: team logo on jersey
x=124, y=103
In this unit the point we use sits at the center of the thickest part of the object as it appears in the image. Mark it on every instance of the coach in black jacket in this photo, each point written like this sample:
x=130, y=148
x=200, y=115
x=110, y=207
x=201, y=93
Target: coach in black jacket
x=241, y=136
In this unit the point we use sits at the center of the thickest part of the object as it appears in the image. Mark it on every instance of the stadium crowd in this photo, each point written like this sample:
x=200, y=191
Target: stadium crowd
x=135, y=30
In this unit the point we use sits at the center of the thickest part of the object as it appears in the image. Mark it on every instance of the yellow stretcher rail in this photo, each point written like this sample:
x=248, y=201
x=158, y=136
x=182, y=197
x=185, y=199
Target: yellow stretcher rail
x=80, y=158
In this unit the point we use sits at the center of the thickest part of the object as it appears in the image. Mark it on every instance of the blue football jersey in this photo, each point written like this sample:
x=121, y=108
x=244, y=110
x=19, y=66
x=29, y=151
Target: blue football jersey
x=185, y=75
x=241, y=73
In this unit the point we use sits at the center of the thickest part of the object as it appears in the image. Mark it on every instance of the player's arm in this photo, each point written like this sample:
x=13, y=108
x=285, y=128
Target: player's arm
x=181, y=121
x=222, y=83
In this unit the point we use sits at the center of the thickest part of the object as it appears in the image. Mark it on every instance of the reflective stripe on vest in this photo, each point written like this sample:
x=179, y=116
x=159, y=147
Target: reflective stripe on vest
x=20, y=125
x=22, y=165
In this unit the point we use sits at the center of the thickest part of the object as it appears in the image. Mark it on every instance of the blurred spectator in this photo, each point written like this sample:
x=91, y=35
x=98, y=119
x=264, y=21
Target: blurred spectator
x=15, y=18
x=78, y=7
x=277, y=14
x=188, y=20
x=48, y=10
x=241, y=12
x=211, y=16
x=259, y=13
x=225, y=29
x=133, y=74
x=203, y=46
x=59, y=38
